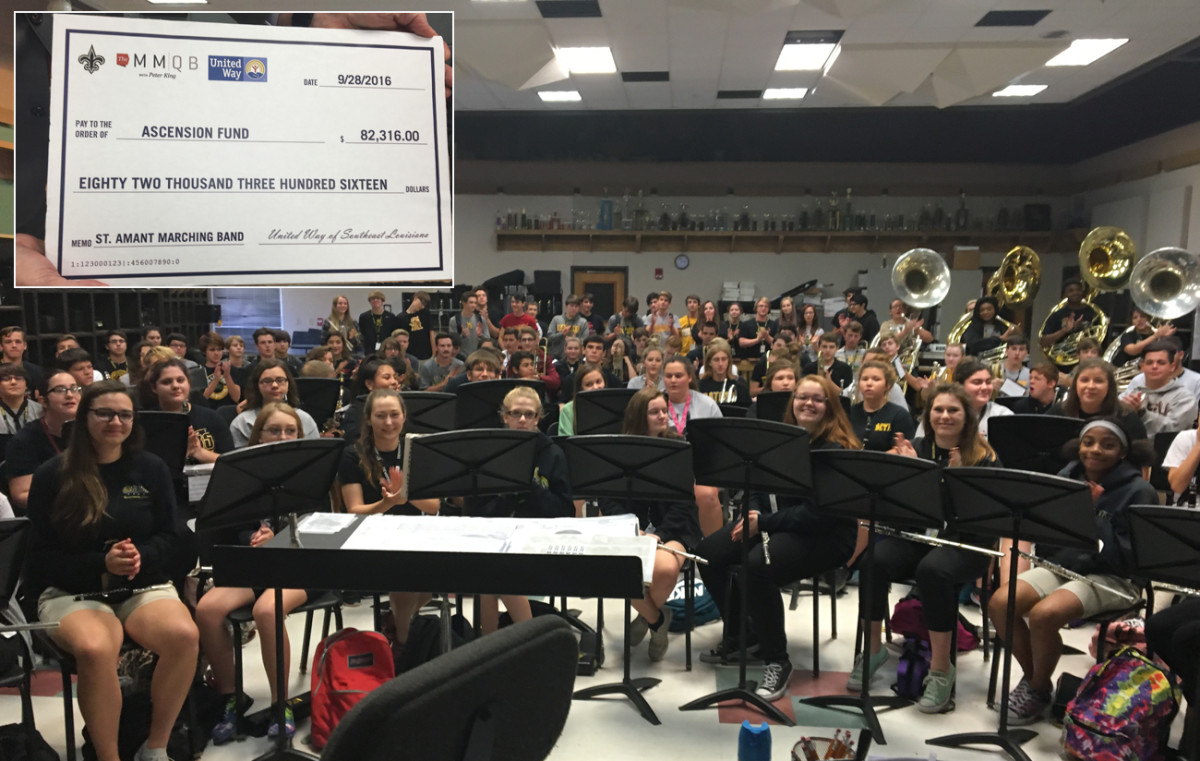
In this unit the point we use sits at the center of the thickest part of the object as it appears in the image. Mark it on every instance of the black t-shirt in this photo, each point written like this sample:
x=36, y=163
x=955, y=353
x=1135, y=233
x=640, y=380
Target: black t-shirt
x=350, y=472
x=220, y=397
x=141, y=507
x=420, y=331
x=749, y=329
x=877, y=429
x=1085, y=312
x=729, y=391
x=1027, y=405
x=597, y=322
x=1130, y=337
x=31, y=447
x=211, y=428
x=111, y=370
x=840, y=373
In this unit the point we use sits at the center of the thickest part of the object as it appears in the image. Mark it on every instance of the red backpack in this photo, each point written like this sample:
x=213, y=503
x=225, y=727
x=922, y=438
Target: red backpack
x=348, y=664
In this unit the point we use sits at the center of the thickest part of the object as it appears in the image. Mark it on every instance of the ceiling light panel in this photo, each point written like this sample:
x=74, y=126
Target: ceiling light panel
x=559, y=96
x=784, y=93
x=1084, y=52
x=1019, y=91
x=587, y=60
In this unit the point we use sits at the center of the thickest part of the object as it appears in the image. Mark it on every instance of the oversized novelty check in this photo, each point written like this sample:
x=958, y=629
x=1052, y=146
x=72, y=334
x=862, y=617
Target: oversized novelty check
x=195, y=153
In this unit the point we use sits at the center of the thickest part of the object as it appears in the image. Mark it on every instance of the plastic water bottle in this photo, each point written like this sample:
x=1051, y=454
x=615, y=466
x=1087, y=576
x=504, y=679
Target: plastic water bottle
x=754, y=743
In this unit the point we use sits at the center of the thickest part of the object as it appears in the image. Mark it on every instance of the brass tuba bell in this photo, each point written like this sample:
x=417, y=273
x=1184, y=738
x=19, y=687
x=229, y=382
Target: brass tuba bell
x=1015, y=283
x=1106, y=259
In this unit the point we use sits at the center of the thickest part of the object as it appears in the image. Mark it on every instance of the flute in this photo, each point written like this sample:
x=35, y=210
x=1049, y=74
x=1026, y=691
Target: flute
x=933, y=540
x=682, y=554
x=1164, y=586
x=1067, y=573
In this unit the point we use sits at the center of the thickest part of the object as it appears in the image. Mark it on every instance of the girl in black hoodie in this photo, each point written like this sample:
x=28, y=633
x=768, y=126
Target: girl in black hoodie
x=1109, y=461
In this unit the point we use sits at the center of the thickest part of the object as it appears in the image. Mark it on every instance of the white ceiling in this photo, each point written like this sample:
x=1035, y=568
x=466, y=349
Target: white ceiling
x=894, y=52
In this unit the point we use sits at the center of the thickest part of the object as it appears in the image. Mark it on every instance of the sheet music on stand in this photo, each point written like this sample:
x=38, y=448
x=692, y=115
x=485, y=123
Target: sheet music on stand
x=607, y=535
x=197, y=479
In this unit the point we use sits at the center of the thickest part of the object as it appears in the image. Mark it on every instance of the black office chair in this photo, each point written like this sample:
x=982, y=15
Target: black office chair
x=503, y=696
x=1158, y=474
x=228, y=412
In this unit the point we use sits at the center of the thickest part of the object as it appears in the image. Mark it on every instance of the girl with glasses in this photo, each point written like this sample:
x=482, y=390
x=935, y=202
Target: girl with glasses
x=40, y=440
x=270, y=381
x=791, y=542
x=103, y=520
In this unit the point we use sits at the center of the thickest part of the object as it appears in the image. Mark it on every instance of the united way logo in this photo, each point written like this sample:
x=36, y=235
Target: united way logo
x=91, y=62
x=256, y=69
x=232, y=68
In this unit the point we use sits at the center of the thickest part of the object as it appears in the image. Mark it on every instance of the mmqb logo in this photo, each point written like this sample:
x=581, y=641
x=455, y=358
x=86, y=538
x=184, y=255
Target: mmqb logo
x=237, y=68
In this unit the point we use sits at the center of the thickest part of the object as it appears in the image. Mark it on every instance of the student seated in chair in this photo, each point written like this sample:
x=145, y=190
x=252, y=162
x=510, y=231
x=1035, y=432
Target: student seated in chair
x=103, y=519
x=674, y=524
x=276, y=422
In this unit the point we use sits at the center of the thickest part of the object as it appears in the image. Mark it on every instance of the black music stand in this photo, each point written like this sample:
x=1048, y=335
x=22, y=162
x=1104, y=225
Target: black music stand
x=771, y=405
x=1032, y=442
x=267, y=482
x=478, y=403
x=1021, y=506
x=1166, y=543
x=891, y=488
x=628, y=468
x=601, y=411
x=758, y=455
x=733, y=410
x=428, y=411
x=167, y=437
x=319, y=397
x=470, y=463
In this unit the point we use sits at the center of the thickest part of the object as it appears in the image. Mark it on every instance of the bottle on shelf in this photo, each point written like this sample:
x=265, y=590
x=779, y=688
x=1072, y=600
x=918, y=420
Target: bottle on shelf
x=685, y=221
x=743, y=222
x=577, y=212
x=605, y=220
x=624, y=218
x=962, y=217
x=500, y=225
x=802, y=219
x=639, y=213
x=1002, y=216
x=848, y=213
x=835, y=212
x=664, y=217
x=818, y=216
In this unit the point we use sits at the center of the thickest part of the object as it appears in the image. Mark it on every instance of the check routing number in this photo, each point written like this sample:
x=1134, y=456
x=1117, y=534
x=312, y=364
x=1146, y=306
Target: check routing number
x=203, y=153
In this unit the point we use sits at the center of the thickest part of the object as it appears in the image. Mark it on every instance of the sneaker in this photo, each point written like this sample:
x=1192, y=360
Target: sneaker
x=855, y=682
x=637, y=630
x=147, y=754
x=289, y=723
x=774, y=682
x=727, y=652
x=660, y=637
x=938, y=693
x=226, y=728
x=1027, y=705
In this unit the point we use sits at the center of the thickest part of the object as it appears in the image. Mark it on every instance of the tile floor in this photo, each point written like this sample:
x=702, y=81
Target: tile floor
x=610, y=728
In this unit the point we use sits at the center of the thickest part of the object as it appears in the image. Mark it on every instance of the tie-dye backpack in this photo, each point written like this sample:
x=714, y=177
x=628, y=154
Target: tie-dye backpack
x=1122, y=712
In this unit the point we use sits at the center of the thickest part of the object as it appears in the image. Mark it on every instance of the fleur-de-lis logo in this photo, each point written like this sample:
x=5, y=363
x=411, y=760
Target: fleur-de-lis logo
x=91, y=62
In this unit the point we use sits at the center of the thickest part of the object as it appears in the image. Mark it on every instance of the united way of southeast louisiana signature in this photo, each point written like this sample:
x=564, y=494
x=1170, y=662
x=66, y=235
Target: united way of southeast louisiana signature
x=348, y=235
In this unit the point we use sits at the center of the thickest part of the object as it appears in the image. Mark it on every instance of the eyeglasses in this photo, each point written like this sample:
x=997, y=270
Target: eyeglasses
x=817, y=400
x=7, y=378
x=277, y=431
x=107, y=415
x=66, y=390
x=521, y=414
x=272, y=381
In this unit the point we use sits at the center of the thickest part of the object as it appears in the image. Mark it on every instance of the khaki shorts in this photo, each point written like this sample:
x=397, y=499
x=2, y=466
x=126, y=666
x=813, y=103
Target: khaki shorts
x=55, y=604
x=1095, y=600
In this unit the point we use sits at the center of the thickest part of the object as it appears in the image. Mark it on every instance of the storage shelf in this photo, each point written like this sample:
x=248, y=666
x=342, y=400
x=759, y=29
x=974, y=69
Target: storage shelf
x=809, y=241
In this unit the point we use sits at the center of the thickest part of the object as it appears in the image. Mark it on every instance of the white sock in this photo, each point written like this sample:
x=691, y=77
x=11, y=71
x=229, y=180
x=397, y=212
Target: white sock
x=151, y=754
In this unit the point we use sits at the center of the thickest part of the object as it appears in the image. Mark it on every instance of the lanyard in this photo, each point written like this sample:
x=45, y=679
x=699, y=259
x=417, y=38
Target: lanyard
x=679, y=421
x=50, y=436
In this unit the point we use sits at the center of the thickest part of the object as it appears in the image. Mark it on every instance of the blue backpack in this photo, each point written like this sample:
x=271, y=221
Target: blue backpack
x=706, y=609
